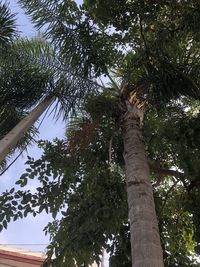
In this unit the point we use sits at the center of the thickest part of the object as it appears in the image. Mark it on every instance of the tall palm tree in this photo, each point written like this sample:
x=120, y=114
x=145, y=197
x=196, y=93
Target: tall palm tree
x=30, y=73
x=160, y=64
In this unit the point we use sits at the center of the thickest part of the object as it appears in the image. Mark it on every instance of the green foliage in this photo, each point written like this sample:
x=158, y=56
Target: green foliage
x=121, y=249
x=7, y=25
x=164, y=16
x=153, y=46
x=161, y=44
x=178, y=135
x=176, y=223
x=113, y=12
x=78, y=180
x=23, y=82
x=85, y=47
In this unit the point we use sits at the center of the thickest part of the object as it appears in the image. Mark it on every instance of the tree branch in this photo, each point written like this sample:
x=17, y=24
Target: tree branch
x=142, y=35
x=166, y=197
x=166, y=172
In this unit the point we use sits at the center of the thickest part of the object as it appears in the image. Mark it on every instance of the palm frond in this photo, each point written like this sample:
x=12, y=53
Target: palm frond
x=68, y=85
x=81, y=45
x=22, y=81
x=30, y=70
x=7, y=24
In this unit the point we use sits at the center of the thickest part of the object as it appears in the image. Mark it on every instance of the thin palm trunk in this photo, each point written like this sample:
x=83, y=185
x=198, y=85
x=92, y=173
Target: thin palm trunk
x=145, y=240
x=11, y=139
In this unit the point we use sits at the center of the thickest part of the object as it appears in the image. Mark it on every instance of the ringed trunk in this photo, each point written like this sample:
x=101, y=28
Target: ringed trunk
x=145, y=240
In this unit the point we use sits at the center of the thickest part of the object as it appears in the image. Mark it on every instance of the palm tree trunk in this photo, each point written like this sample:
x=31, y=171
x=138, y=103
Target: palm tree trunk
x=13, y=137
x=145, y=239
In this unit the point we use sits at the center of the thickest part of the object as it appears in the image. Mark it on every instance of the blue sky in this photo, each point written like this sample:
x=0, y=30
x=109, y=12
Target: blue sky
x=24, y=24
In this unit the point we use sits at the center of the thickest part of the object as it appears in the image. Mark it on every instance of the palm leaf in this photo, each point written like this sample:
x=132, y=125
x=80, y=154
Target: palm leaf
x=31, y=70
x=7, y=24
x=84, y=47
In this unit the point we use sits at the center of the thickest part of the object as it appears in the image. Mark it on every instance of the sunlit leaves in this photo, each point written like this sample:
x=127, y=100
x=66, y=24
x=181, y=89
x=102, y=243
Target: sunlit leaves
x=153, y=44
x=89, y=191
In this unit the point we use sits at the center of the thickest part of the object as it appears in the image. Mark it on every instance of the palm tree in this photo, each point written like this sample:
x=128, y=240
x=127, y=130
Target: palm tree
x=159, y=65
x=31, y=73
x=22, y=84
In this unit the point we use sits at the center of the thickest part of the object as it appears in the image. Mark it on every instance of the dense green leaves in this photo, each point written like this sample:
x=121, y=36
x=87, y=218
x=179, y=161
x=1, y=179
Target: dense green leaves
x=153, y=47
x=7, y=25
x=23, y=82
x=162, y=44
x=85, y=47
x=29, y=71
x=79, y=180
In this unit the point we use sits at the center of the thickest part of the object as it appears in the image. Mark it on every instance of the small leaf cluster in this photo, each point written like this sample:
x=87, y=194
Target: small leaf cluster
x=7, y=25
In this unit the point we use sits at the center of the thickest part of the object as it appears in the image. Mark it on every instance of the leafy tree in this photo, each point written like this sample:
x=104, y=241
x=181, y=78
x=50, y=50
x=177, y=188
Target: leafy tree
x=81, y=180
x=30, y=71
x=154, y=49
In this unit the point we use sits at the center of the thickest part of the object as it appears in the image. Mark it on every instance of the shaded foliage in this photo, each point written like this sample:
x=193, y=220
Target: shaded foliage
x=7, y=25
x=154, y=48
x=79, y=180
x=68, y=27
x=153, y=43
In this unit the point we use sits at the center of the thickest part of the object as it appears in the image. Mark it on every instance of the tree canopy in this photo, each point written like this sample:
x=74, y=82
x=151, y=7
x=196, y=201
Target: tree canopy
x=81, y=180
x=152, y=48
x=153, y=43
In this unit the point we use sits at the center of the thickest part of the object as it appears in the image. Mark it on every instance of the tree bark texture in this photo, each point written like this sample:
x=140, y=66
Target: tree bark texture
x=11, y=139
x=145, y=239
